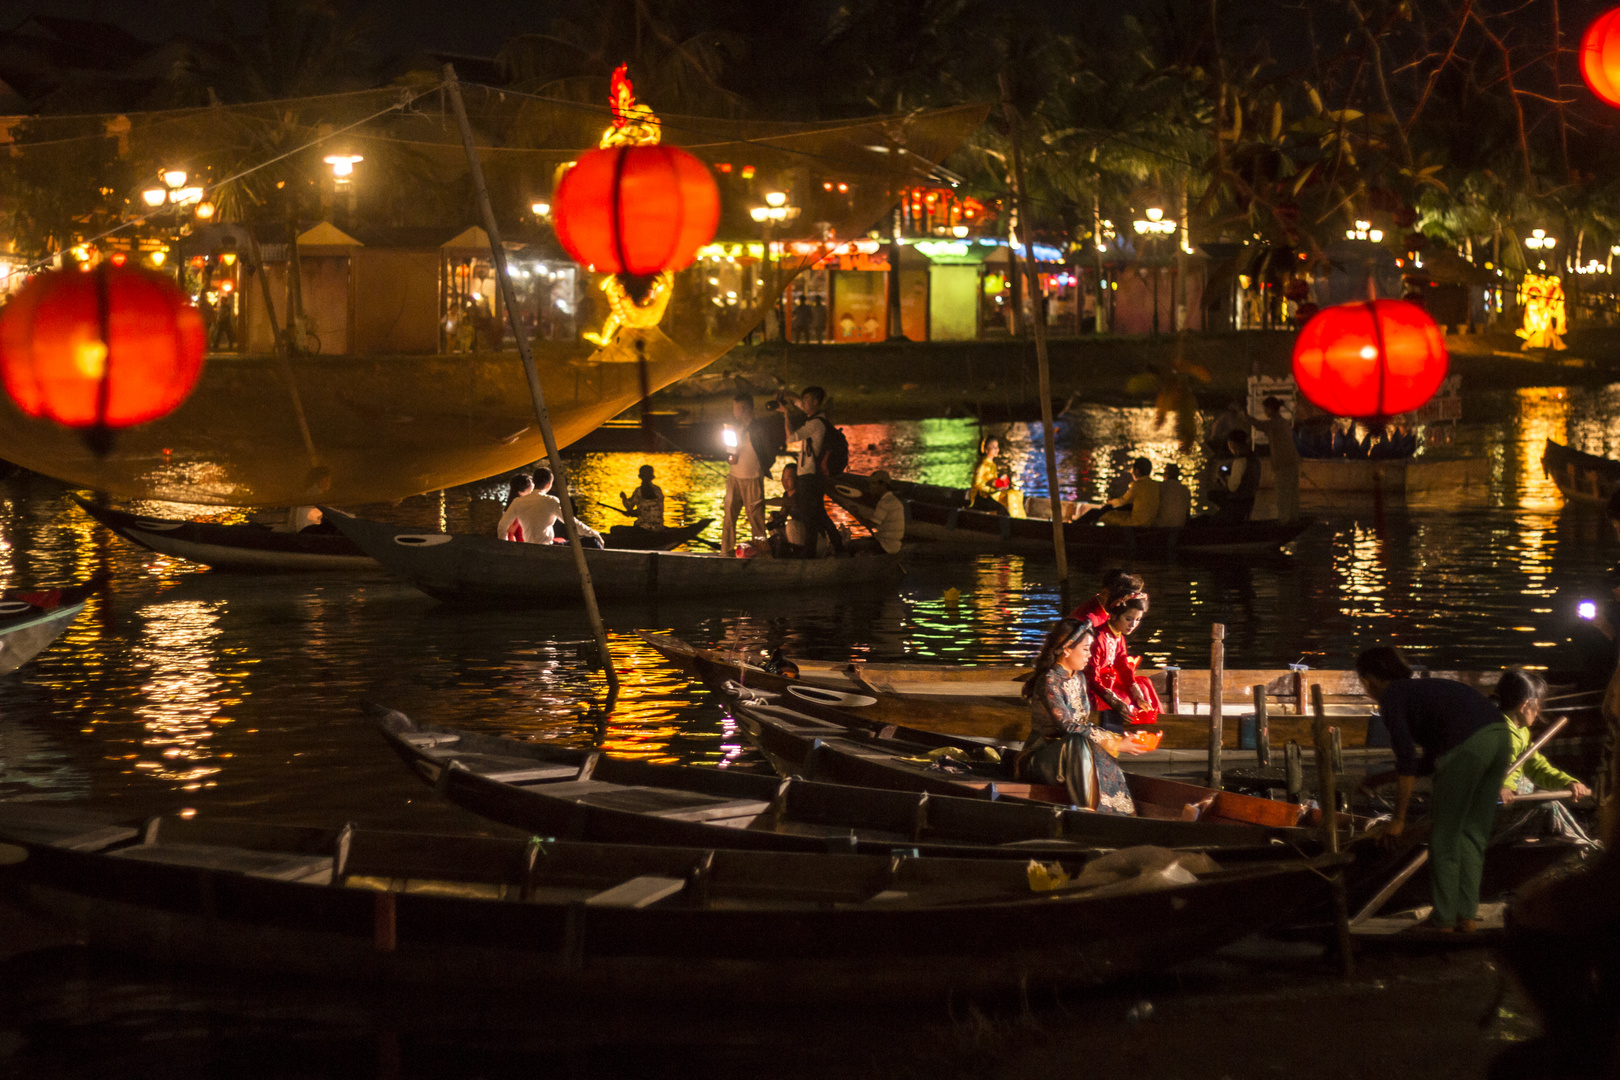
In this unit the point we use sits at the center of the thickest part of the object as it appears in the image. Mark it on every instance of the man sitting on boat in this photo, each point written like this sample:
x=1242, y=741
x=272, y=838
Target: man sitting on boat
x=1064, y=746
x=1519, y=695
x=648, y=501
x=1139, y=506
x=887, y=520
x=1175, y=501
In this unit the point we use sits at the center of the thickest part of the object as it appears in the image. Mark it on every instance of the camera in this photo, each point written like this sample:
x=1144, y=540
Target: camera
x=773, y=404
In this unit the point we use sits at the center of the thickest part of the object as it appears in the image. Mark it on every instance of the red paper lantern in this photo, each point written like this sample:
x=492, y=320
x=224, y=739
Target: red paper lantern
x=1600, y=57
x=1370, y=360
x=636, y=210
x=100, y=351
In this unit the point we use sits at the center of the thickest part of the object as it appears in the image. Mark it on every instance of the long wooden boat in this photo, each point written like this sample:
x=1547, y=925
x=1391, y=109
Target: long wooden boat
x=564, y=920
x=233, y=547
x=483, y=570
x=803, y=739
x=31, y=619
x=583, y=795
x=1386, y=476
x=936, y=515
x=1581, y=477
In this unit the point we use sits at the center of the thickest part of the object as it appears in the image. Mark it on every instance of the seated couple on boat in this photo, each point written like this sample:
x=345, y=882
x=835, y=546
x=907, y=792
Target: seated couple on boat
x=1067, y=745
x=1147, y=503
x=533, y=513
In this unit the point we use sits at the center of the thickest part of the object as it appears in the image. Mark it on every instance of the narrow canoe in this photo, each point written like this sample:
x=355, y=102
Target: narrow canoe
x=561, y=920
x=581, y=795
x=1386, y=476
x=1580, y=476
x=635, y=538
x=935, y=515
x=253, y=548
x=31, y=619
x=483, y=570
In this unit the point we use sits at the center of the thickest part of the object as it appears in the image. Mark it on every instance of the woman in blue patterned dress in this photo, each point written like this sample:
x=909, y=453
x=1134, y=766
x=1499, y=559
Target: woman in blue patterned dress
x=1064, y=745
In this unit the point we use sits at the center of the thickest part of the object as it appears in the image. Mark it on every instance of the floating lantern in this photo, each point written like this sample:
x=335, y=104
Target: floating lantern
x=636, y=210
x=1370, y=360
x=100, y=351
x=1600, y=57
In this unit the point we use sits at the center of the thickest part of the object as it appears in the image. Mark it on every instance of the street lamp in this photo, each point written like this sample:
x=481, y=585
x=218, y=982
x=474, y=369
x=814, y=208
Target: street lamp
x=775, y=211
x=541, y=209
x=1538, y=240
x=1365, y=231
x=1152, y=227
x=174, y=196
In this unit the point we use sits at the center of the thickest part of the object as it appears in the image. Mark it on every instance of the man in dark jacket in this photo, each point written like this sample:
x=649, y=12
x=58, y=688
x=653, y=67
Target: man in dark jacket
x=1236, y=482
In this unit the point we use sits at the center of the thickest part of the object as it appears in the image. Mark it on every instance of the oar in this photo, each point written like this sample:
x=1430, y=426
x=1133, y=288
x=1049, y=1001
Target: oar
x=1422, y=857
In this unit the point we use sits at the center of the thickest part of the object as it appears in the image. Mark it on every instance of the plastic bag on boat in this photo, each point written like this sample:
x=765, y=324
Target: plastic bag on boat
x=1127, y=871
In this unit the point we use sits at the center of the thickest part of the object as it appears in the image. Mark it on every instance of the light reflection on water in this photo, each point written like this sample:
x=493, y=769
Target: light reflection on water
x=243, y=692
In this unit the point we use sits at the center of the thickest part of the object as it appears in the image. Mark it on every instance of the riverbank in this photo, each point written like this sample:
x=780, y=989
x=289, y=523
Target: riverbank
x=998, y=379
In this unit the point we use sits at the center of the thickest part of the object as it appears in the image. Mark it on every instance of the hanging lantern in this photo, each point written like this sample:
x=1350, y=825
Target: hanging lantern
x=1600, y=57
x=1370, y=360
x=636, y=211
x=100, y=351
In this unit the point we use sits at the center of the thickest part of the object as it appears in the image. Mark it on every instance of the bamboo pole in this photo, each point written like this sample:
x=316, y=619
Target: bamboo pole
x=1217, y=691
x=1327, y=802
x=536, y=392
x=1262, y=730
x=282, y=344
x=1043, y=363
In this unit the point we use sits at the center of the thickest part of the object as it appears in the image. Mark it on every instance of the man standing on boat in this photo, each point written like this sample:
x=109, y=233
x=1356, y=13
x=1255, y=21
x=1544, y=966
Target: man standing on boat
x=810, y=505
x=1459, y=735
x=1279, y=432
x=750, y=458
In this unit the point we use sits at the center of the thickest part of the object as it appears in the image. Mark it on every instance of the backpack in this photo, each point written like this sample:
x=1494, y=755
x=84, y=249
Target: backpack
x=834, y=457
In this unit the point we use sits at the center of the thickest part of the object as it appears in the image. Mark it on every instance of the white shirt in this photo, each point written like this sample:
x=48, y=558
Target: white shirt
x=530, y=519
x=811, y=436
x=746, y=463
x=889, y=522
x=1175, y=504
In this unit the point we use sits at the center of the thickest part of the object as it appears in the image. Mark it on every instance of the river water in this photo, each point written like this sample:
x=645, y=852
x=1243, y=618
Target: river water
x=239, y=694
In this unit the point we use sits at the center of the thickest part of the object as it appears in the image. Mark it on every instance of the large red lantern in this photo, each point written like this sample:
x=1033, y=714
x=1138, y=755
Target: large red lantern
x=101, y=350
x=1600, y=57
x=1370, y=360
x=636, y=210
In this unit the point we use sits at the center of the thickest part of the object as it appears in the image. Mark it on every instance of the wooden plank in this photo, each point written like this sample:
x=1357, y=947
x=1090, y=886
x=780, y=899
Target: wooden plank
x=729, y=808
x=276, y=865
x=1217, y=664
x=530, y=774
x=638, y=892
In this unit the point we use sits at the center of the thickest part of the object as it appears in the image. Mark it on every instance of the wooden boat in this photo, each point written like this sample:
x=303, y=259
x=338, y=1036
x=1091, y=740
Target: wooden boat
x=1580, y=476
x=233, y=547
x=1386, y=476
x=635, y=538
x=31, y=620
x=564, y=920
x=936, y=515
x=483, y=570
x=583, y=795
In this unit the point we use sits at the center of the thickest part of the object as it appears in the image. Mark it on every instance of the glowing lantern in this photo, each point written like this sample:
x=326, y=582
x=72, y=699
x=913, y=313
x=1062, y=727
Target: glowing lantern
x=636, y=210
x=1600, y=57
x=100, y=351
x=1370, y=360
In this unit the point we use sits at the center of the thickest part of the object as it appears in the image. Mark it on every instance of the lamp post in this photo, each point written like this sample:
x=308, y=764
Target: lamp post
x=1538, y=241
x=343, y=175
x=1364, y=230
x=775, y=211
x=173, y=198
x=1153, y=226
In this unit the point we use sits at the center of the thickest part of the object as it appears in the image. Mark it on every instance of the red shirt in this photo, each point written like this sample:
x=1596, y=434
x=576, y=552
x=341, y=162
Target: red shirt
x=1091, y=611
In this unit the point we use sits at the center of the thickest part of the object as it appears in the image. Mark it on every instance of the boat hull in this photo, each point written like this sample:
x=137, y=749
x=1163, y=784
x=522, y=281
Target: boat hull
x=485, y=571
x=245, y=548
x=1396, y=476
x=1581, y=477
x=935, y=515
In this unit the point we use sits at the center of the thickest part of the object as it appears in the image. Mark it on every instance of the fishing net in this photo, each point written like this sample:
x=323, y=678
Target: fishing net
x=353, y=424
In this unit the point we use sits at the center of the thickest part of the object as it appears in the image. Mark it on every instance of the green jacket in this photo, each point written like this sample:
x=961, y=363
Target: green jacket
x=1543, y=773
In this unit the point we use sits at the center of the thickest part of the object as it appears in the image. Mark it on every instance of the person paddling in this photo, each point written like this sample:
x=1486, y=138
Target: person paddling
x=647, y=503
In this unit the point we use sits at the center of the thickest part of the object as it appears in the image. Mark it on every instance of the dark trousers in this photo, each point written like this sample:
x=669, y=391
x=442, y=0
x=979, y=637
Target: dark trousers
x=810, y=507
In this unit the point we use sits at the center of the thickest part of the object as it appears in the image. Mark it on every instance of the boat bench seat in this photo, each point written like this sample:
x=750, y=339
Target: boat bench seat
x=277, y=865
x=638, y=892
x=509, y=770
x=666, y=803
x=72, y=830
x=427, y=740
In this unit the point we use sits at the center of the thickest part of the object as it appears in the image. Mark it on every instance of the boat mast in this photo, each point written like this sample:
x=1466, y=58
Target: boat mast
x=509, y=297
